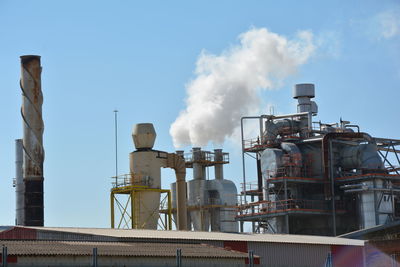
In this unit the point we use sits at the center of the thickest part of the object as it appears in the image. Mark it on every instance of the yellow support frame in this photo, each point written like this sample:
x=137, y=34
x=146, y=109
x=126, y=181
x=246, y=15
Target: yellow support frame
x=131, y=190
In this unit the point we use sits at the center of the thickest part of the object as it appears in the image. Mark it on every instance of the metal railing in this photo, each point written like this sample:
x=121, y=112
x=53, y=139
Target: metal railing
x=206, y=156
x=270, y=207
x=250, y=186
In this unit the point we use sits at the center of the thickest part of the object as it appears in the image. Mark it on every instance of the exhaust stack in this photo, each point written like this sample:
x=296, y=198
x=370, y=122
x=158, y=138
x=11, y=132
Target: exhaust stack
x=19, y=183
x=33, y=152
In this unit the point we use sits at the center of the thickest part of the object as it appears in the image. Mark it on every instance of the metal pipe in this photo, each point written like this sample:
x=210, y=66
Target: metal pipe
x=218, y=167
x=198, y=167
x=4, y=256
x=243, y=161
x=331, y=174
x=376, y=205
x=94, y=258
x=351, y=186
x=286, y=199
x=356, y=190
x=309, y=118
x=32, y=100
x=273, y=117
x=251, y=258
x=177, y=162
x=178, y=257
x=19, y=183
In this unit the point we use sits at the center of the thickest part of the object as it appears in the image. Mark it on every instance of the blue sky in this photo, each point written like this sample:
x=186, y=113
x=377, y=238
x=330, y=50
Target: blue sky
x=138, y=57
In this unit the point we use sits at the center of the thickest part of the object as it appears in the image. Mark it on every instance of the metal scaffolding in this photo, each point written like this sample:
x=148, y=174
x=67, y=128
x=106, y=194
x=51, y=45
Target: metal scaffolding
x=258, y=208
x=123, y=197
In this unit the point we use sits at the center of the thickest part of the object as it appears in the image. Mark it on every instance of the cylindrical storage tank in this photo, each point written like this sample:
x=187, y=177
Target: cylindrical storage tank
x=145, y=170
x=198, y=198
x=227, y=193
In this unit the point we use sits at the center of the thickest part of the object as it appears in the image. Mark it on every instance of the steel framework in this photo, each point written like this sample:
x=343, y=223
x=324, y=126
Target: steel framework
x=128, y=218
x=259, y=212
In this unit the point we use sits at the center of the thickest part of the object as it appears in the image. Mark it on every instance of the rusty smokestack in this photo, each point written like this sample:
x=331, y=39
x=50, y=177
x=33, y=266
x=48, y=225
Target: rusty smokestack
x=33, y=152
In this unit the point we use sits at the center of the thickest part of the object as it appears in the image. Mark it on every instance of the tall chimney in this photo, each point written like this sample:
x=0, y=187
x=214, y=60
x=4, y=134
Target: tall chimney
x=19, y=183
x=33, y=152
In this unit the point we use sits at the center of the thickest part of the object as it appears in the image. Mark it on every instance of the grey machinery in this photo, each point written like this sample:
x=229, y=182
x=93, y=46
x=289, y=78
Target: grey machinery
x=316, y=178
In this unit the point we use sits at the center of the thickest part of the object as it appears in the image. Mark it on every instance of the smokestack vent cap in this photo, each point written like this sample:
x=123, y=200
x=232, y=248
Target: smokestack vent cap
x=144, y=135
x=304, y=90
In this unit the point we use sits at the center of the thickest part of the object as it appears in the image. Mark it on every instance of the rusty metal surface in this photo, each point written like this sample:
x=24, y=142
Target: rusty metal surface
x=31, y=111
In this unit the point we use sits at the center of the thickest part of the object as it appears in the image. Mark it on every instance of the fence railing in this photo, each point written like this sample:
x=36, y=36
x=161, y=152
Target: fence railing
x=269, y=207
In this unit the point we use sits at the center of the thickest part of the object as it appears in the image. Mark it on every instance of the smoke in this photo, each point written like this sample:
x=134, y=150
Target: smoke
x=227, y=86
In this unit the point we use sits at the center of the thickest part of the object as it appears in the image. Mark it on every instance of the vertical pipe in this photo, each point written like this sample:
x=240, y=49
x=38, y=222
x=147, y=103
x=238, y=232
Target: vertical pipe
x=332, y=179
x=218, y=167
x=261, y=126
x=376, y=204
x=4, y=256
x=251, y=258
x=116, y=145
x=94, y=257
x=198, y=167
x=178, y=257
x=112, y=210
x=309, y=118
x=253, y=224
x=19, y=183
x=133, y=207
x=32, y=100
x=259, y=179
x=169, y=210
x=177, y=162
x=286, y=200
x=243, y=162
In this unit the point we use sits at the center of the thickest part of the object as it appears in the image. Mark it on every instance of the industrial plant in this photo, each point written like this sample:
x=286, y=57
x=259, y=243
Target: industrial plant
x=318, y=178
x=315, y=182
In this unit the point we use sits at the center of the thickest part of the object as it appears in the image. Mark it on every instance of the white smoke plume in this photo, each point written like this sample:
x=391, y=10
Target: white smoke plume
x=227, y=86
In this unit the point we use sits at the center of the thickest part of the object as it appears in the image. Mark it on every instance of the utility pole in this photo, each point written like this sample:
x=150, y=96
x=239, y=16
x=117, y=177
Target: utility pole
x=116, y=144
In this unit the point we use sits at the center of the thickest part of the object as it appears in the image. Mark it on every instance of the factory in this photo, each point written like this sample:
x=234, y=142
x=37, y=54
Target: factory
x=318, y=178
x=315, y=181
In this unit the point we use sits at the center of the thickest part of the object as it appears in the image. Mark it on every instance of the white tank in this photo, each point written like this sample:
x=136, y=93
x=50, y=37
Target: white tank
x=145, y=170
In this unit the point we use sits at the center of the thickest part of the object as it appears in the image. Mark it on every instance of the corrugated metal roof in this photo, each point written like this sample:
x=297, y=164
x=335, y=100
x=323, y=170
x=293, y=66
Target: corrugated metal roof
x=4, y=228
x=140, y=249
x=191, y=235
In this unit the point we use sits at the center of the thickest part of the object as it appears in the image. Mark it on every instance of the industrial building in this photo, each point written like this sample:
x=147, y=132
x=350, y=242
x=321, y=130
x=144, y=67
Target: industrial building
x=318, y=178
x=151, y=247
x=314, y=180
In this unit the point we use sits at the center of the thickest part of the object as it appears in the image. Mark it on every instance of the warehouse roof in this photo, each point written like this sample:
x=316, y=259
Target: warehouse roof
x=378, y=232
x=214, y=236
x=53, y=248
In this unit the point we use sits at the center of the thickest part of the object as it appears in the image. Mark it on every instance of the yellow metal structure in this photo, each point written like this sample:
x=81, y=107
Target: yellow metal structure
x=128, y=217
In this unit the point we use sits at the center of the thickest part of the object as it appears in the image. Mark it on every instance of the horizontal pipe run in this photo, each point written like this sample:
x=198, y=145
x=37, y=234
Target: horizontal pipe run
x=372, y=189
